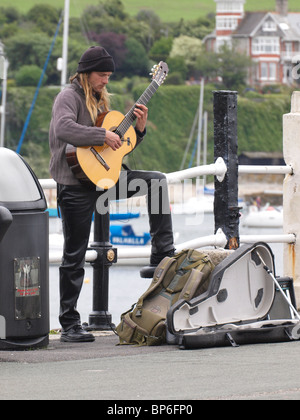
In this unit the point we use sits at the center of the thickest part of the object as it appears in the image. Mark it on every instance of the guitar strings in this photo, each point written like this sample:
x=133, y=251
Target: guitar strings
x=144, y=99
x=125, y=124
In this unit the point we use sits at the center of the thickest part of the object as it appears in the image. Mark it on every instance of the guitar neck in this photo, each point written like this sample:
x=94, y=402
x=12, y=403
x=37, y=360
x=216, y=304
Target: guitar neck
x=143, y=100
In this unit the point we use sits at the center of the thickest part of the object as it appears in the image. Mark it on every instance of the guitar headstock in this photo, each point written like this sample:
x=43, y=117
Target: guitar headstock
x=160, y=72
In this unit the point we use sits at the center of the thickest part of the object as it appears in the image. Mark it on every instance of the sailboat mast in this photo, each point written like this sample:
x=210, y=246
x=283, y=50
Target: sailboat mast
x=200, y=122
x=65, y=44
x=4, y=63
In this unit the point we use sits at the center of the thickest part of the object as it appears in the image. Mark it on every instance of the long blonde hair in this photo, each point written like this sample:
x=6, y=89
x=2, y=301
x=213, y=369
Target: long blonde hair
x=94, y=105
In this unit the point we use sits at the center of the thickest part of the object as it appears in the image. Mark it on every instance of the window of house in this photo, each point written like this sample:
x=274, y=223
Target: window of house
x=288, y=49
x=289, y=46
x=264, y=71
x=268, y=71
x=272, y=71
x=266, y=45
x=230, y=6
x=227, y=23
x=269, y=26
x=223, y=42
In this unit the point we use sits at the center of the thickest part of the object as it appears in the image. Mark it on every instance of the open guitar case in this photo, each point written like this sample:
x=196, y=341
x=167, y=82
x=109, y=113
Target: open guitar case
x=241, y=305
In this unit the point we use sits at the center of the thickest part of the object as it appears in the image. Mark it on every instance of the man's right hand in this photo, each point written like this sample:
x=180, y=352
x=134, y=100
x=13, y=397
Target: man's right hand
x=113, y=140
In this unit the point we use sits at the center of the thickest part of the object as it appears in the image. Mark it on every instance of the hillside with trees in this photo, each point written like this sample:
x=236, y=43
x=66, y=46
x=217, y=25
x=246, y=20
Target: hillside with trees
x=136, y=42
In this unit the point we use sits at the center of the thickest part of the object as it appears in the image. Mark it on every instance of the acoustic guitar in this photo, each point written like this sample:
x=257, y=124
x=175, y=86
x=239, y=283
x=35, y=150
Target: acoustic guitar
x=100, y=164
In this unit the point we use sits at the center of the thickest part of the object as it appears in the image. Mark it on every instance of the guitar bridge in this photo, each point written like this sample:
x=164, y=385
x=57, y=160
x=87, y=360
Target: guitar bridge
x=100, y=159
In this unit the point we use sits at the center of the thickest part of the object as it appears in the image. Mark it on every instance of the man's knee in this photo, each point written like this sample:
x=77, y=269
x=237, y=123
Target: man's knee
x=158, y=175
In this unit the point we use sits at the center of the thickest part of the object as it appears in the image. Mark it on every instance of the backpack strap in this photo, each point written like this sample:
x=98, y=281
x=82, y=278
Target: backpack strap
x=158, y=277
x=191, y=285
x=200, y=263
x=188, y=290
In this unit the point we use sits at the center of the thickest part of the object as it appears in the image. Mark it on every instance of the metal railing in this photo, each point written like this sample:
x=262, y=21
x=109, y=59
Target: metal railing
x=226, y=209
x=261, y=169
x=218, y=169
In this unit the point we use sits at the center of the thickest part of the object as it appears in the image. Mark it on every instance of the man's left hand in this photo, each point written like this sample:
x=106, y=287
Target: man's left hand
x=141, y=113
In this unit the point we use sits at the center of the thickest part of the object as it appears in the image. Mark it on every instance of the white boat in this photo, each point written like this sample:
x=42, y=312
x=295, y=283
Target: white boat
x=120, y=235
x=267, y=217
x=195, y=205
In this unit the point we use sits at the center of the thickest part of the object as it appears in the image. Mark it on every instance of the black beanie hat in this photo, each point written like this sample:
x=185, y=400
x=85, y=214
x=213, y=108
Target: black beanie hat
x=96, y=59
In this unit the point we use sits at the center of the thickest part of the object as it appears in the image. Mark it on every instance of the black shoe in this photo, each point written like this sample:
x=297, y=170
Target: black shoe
x=148, y=272
x=155, y=259
x=76, y=334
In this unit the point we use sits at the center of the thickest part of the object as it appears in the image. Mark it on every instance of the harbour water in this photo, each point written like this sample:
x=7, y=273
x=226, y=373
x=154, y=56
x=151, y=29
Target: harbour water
x=125, y=283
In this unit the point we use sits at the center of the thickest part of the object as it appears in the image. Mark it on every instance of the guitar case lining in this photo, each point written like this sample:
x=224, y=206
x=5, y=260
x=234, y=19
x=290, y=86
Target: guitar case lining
x=235, y=309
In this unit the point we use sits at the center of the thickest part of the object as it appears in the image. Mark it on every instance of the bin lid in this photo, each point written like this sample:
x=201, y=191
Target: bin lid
x=19, y=187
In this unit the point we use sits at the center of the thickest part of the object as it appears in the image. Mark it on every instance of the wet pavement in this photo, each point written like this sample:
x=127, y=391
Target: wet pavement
x=106, y=371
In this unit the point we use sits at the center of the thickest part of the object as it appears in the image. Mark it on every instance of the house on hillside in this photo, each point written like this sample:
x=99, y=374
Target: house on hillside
x=271, y=39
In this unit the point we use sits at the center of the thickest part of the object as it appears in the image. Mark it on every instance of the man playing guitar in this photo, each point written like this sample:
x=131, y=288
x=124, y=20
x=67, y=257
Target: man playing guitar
x=74, y=122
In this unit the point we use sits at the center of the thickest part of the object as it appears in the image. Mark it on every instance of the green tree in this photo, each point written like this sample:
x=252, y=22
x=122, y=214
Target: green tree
x=150, y=17
x=107, y=16
x=177, y=65
x=198, y=28
x=187, y=47
x=208, y=65
x=234, y=68
x=10, y=14
x=8, y=29
x=29, y=76
x=153, y=24
x=228, y=65
x=161, y=49
x=136, y=61
x=9, y=22
x=45, y=17
x=115, y=8
x=27, y=48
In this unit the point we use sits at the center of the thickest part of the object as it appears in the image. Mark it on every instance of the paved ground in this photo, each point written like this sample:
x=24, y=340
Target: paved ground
x=105, y=371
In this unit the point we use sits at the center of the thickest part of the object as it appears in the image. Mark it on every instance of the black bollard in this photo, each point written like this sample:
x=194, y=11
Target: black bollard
x=226, y=209
x=100, y=319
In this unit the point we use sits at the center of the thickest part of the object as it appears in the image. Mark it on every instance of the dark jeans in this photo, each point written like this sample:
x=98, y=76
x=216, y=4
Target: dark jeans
x=77, y=204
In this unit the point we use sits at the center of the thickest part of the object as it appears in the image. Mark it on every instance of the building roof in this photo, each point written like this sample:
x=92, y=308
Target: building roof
x=288, y=26
x=249, y=23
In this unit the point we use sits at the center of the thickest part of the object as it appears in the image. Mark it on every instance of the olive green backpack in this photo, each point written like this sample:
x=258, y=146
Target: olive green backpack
x=183, y=276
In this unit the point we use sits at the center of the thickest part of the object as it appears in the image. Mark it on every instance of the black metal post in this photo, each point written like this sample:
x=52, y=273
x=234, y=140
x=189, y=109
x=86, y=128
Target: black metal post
x=100, y=318
x=226, y=207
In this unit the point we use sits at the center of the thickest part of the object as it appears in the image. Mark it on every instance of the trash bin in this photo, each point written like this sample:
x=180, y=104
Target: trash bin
x=24, y=256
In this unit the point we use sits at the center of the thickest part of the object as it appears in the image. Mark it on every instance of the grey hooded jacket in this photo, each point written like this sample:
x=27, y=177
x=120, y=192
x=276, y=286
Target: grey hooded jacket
x=71, y=124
